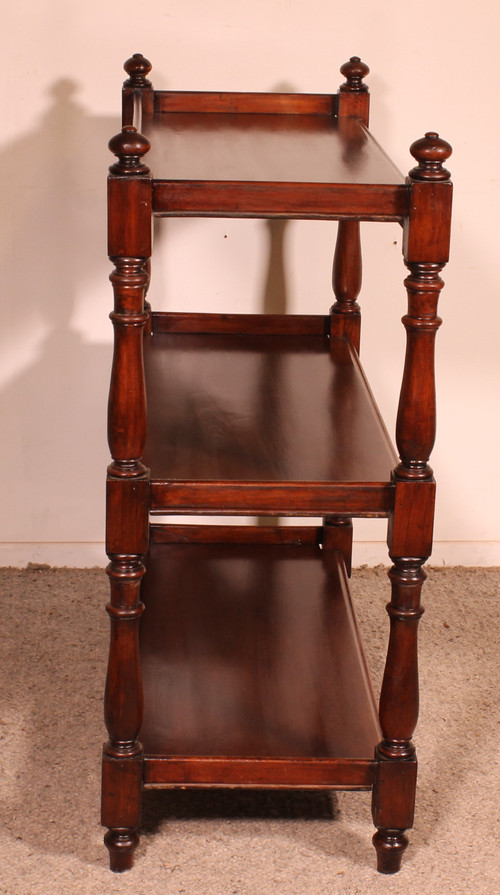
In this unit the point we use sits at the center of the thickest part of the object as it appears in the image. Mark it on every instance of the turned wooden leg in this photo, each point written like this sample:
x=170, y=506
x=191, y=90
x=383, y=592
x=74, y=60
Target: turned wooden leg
x=121, y=845
x=393, y=808
x=390, y=845
x=394, y=790
x=122, y=754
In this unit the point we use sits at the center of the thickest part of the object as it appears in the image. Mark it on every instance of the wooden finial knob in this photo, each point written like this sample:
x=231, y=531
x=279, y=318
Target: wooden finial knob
x=430, y=153
x=354, y=71
x=137, y=67
x=129, y=146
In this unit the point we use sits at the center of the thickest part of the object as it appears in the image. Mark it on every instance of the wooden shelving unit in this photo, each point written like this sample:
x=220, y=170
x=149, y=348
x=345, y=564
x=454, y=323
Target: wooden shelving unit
x=235, y=659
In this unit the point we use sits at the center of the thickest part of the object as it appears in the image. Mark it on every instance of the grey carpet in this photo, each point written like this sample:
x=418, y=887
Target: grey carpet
x=53, y=638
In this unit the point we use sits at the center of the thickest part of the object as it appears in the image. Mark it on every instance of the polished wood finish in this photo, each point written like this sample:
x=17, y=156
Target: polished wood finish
x=235, y=658
x=266, y=148
x=257, y=424
x=194, y=104
x=258, y=669
x=426, y=248
x=347, y=270
x=129, y=246
x=264, y=155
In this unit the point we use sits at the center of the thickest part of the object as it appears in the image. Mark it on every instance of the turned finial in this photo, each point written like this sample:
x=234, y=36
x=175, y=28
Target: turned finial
x=354, y=71
x=137, y=67
x=430, y=153
x=129, y=146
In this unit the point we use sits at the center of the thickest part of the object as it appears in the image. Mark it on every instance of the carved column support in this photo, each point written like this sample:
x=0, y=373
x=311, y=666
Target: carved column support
x=122, y=754
x=127, y=396
x=426, y=244
x=129, y=248
x=399, y=694
x=123, y=697
x=346, y=281
x=426, y=237
x=353, y=102
x=416, y=419
x=394, y=790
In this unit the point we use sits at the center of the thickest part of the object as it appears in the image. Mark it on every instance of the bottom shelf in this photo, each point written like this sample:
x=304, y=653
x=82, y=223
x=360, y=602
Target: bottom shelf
x=252, y=666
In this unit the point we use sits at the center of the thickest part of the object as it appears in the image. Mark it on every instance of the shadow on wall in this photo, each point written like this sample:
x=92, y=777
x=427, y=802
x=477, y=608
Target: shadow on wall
x=53, y=383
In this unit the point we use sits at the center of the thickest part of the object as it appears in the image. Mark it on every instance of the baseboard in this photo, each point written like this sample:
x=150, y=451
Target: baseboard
x=76, y=555
x=445, y=553
x=365, y=553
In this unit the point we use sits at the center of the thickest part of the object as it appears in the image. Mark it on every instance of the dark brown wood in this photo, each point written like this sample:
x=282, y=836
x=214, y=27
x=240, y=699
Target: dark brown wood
x=394, y=790
x=121, y=808
x=253, y=164
x=137, y=67
x=259, y=669
x=263, y=148
x=294, y=535
x=345, y=319
x=354, y=99
x=137, y=92
x=123, y=710
x=245, y=103
x=412, y=518
x=235, y=658
x=129, y=243
x=331, y=774
x=184, y=198
x=127, y=500
x=337, y=535
x=425, y=246
x=347, y=268
x=242, y=324
x=256, y=498
x=416, y=422
x=254, y=427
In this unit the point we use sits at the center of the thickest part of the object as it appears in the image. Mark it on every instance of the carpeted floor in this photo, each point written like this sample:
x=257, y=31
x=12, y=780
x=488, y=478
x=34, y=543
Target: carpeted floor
x=53, y=639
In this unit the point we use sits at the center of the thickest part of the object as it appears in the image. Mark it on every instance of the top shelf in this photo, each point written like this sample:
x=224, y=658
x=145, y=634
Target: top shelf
x=265, y=148
x=259, y=155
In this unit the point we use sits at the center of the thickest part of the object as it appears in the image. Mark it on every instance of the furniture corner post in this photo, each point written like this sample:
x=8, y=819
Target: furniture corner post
x=394, y=789
x=426, y=249
x=122, y=754
x=137, y=91
x=353, y=101
x=129, y=230
x=345, y=315
x=426, y=242
x=353, y=95
x=129, y=248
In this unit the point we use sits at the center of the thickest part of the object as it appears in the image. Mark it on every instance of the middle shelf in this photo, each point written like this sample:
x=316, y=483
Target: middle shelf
x=263, y=413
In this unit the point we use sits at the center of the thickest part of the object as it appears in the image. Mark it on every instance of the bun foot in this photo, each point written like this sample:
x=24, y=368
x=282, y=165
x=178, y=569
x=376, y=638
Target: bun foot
x=390, y=845
x=121, y=845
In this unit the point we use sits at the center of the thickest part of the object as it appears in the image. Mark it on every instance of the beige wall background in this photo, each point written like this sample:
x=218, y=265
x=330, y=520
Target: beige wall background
x=433, y=67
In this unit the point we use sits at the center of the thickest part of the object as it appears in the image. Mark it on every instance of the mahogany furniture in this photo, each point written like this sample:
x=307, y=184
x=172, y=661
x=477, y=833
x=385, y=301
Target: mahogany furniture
x=234, y=656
